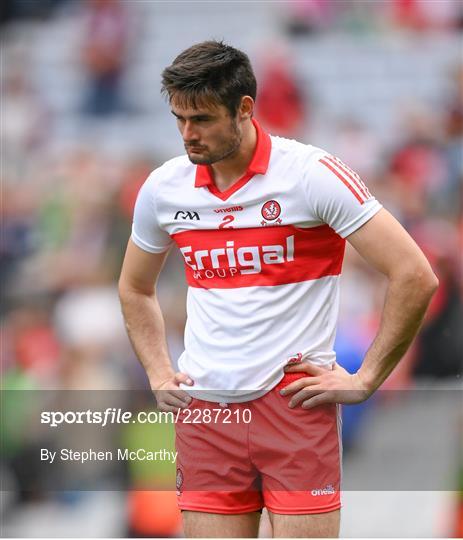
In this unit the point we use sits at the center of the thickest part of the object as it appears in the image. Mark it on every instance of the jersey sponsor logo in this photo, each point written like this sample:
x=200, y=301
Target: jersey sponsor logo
x=232, y=258
x=271, y=210
x=186, y=214
x=327, y=490
x=228, y=210
x=348, y=177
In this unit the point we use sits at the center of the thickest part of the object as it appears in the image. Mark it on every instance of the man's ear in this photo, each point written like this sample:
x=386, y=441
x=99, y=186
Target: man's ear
x=246, y=108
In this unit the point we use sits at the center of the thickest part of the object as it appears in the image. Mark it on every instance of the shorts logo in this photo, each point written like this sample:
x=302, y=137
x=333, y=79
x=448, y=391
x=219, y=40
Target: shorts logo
x=271, y=210
x=179, y=479
x=327, y=490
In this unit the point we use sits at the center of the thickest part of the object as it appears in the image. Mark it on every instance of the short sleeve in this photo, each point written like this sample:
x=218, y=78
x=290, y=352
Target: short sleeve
x=338, y=196
x=146, y=231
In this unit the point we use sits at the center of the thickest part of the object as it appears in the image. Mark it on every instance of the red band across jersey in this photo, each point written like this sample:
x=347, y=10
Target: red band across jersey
x=266, y=256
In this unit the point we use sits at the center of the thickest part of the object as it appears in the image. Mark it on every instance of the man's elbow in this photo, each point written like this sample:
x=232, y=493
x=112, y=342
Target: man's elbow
x=128, y=290
x=125, y=291
x=433, y=283
x=426, y=282
x=121, y=288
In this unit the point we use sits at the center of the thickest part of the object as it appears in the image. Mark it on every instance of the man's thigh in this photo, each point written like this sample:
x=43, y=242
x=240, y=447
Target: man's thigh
x=205, y=525
x=324, y=525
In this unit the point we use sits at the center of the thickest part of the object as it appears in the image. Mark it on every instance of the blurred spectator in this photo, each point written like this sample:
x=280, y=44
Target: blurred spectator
x=418, y=168
x=440, y=343
x=152, y=502
x=35, y=345
x=104, y=54
x=423, y=15
x=453, y=134
x=18, y=239
x=29, y=361
x=305, y=17
x=27, y=9
x=281, y=105
x=26, y=120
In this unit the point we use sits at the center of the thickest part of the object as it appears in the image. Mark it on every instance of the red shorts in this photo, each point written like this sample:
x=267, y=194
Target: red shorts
x=240, y=457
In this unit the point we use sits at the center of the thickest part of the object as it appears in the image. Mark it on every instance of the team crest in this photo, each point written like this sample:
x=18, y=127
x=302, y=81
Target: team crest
x=179, y=479
x=271, y=211
x=295, y=359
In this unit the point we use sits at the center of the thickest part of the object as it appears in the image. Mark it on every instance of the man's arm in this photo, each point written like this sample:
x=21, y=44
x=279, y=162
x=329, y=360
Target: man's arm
x=385, y=244
x=145, y=325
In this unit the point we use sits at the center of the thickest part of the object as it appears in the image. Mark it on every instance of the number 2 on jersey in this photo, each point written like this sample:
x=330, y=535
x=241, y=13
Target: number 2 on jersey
x=226, y=220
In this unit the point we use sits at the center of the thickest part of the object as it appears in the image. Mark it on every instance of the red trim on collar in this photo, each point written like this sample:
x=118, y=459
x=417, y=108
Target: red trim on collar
x=257, y=165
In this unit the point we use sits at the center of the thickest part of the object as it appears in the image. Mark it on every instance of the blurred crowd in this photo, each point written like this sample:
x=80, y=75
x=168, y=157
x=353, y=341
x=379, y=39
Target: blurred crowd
x=66, y=209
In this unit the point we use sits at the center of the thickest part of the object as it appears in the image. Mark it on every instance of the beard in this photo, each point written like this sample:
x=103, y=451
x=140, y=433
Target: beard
x=226, y=148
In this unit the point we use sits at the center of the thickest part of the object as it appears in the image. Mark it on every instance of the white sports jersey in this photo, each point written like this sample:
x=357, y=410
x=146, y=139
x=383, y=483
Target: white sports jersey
x=262, y=260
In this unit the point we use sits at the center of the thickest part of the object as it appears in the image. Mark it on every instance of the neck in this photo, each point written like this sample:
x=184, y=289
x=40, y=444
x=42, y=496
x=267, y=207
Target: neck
x=229, y=170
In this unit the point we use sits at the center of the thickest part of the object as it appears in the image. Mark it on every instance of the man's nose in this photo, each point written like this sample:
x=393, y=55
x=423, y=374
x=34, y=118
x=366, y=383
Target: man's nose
x=189, y=133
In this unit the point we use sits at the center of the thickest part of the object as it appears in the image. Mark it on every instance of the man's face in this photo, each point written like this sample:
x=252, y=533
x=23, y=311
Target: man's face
x=209, y=133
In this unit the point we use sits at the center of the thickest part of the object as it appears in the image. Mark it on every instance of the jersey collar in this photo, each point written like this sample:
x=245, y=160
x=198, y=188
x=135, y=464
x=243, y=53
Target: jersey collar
x=257, y=165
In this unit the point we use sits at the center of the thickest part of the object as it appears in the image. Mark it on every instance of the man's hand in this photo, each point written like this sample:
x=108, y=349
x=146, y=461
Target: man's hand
x=169, y=397
x=323, y=386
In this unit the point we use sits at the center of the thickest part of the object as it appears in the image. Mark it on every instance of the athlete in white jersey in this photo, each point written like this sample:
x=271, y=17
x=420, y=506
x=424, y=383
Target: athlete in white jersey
x=261, y=223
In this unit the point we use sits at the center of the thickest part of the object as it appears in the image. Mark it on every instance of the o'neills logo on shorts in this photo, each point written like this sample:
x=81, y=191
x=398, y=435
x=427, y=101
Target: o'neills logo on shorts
x=327, y=490
x=230, y=258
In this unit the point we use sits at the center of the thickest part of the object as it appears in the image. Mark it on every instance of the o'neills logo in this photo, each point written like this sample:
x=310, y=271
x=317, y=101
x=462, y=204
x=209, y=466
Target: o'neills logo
x=228, y=261
x=327, y=490
x=228, y=210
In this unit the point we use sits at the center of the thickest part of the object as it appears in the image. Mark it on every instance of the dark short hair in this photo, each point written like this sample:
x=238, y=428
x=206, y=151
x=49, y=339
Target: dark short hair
x=210, y=71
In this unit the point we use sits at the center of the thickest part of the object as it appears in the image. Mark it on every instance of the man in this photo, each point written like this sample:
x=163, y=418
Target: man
x=261, y=223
